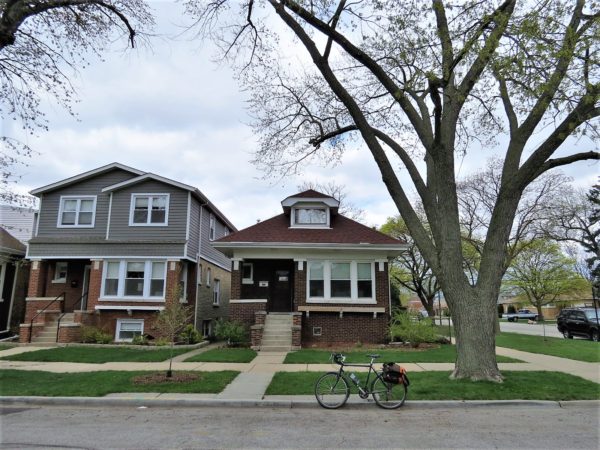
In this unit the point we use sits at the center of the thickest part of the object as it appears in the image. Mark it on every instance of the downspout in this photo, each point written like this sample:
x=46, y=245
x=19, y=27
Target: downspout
x=197, y=262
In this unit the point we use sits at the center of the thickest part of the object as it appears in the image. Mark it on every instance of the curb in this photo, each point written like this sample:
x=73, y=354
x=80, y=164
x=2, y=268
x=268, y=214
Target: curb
x=274, y=403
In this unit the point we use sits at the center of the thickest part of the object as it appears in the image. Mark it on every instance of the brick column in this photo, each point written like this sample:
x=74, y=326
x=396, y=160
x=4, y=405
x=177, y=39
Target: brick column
x=37, y=279
x=300, y=268
x=172, y=281
x=297, y=331
x=95, y=286
x=236, y=280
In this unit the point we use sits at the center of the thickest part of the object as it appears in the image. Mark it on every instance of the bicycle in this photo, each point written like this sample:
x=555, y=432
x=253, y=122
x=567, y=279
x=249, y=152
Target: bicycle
x=332, y=389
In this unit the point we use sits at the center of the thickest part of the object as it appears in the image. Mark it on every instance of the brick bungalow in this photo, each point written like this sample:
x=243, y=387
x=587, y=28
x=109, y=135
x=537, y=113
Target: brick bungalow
x=327, y=271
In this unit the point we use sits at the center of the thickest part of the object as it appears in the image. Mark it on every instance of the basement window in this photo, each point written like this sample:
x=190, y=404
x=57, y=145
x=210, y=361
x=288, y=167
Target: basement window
x=127, y=329
x=317, y=331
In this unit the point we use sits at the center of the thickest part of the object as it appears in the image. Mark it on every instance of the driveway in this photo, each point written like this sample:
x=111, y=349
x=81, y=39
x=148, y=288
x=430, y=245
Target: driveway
x=533, y=329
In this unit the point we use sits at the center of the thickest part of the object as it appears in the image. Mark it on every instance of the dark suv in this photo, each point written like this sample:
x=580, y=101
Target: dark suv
x=579, y=322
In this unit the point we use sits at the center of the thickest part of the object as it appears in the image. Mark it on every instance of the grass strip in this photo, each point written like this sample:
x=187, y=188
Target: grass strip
x=536, y=385
x=6, y=346
x=443, y=354
x=97, y=384
x=577, y=349
x=226, y=355
x=96, y=355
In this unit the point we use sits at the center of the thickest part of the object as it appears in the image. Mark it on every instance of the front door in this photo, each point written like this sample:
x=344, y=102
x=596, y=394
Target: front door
x=281, y=288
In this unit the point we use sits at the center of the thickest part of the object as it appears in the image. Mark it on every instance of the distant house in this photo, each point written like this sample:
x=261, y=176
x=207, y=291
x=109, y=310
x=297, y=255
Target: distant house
x=13, y=282
x=310, y=276
x=112, y=246
x=18, y=221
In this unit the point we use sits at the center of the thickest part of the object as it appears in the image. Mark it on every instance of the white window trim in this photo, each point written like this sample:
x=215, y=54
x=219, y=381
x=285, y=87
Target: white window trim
x=77, y=211
x=251, y=279
x=3, y=267
x=217, y=290
x=199, y=274
x=60, y=280
x=354, y=299
x=212, y=227
x=209, y=328
x=208, y=276
x=148, y=223
x=118, y=330
x=293, y=223
x=121, y=284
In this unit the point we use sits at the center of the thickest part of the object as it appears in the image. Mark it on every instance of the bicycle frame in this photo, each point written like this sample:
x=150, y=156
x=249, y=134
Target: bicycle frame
x=367, y=387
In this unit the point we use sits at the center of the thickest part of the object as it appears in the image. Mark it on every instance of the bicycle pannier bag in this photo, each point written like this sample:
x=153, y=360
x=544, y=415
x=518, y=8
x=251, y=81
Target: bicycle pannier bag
x=392, y=373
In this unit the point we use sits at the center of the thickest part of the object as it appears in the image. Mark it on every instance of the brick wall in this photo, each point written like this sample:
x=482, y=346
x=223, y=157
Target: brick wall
x=236, y=283
x=299, y=285
x=350, y=329
x=107, y=320
x=72, y=287
x=37, y=279
x=95, y=284
x=69, y=334
x=245, y=312
x=33, y=306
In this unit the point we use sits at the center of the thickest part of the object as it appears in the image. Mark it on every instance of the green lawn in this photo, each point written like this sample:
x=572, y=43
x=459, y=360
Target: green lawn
x=7, y=346
x=97, y=355
x=445, y=353
x=227, y=355
x=96, y=384
x=437, y=386
x=578, y=349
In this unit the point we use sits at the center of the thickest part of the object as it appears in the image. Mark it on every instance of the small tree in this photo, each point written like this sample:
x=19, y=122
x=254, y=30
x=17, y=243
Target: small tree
x=170, y=322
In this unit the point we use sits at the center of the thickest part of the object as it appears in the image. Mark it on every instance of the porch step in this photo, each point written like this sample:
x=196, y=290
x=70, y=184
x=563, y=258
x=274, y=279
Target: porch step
x=277, y=333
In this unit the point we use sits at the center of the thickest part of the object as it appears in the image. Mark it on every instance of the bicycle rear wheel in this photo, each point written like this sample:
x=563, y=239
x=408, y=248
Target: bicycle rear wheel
x=388, y=395
x=331, y=390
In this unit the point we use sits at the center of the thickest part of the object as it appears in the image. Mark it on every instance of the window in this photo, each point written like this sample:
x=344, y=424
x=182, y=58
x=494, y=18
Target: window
x=226, y=232
x=316, y=276
x=364, y=280
x=212, y=226
x=310, y=216
x=183, y=284
x=142, y=279
x=208, y=276
x=149, y=209
x=217, y=292
x=200, y=274
x=317, y=331
x=60, y=272
x=77, y=211
x=341, y=282
x=247, y=273
x=127, y=329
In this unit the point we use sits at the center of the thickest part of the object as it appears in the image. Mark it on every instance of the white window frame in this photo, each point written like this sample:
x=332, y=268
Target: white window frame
x=212, y=227
x=325, y=208
x=59, y=223
x=184, y=275
x=208, y=276
x=146, y=297
x=118, y=329
x=216, y=292
x=353, y=284
x=251, y=279
x=199, y=277
x=148, y=223
x=3, y=267
x=56, y=272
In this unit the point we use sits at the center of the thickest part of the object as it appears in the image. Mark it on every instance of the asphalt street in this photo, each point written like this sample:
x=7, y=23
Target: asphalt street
x=535, y=329
x=570, y=426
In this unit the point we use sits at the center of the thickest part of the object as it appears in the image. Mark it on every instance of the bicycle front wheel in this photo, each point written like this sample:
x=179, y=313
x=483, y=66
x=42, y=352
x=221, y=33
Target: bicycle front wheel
x=332, y=390
x=388, y=395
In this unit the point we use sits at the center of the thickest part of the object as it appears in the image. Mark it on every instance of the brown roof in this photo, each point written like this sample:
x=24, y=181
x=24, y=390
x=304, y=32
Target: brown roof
x=310, y=193
x=10, y=244
x=342, y=231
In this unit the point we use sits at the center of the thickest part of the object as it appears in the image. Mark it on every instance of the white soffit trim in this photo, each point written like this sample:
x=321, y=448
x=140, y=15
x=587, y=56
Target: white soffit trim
x=133, y=308
x=329, y=201
x=148, y=176
x=85, y=175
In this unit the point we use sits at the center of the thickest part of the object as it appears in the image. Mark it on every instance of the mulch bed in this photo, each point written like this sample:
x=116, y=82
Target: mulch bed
x=161, y=377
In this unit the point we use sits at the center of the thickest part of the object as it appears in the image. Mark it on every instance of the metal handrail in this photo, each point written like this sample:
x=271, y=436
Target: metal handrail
x=63, y=295
x=64, y=313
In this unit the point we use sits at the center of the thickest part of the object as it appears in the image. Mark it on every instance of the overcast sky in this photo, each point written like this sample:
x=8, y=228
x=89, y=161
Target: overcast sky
x=171, y=110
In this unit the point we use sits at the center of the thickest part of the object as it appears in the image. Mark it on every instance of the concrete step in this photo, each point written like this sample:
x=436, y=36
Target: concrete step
x=47, y=334
x=44, y=340
x=278, y=335
x=270, y=326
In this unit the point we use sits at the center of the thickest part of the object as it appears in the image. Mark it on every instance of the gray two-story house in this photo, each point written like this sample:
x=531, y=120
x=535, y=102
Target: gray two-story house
x=112, y=246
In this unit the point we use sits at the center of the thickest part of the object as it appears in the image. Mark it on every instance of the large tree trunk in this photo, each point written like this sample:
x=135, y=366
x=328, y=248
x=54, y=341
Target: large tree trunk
x=474, y=316
x=538, y=306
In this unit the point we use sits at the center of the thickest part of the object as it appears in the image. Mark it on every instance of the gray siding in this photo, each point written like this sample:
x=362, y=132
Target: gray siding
x=207, y=250
x=48, y=215
x=87, y=250
x=177, y=219
x=193, y=244
x=17, y=221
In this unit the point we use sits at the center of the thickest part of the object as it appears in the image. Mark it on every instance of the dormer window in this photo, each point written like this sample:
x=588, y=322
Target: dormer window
x=310, y=216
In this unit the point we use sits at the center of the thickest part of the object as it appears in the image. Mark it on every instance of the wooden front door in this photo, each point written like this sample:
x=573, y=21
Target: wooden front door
x=281, y=287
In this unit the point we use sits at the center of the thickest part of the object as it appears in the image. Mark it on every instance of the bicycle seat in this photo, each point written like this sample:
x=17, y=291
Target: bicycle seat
x=374, y=356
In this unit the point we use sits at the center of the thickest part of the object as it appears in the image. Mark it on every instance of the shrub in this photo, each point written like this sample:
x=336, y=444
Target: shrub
x=140, y=339
x=407, y=327
x=162, y=341
x=93, y=335
x=190, y=335
x=235, y=333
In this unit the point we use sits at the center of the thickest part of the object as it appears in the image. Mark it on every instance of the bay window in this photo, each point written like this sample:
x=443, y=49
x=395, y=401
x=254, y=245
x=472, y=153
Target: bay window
x=340, y=282
x=134, y=279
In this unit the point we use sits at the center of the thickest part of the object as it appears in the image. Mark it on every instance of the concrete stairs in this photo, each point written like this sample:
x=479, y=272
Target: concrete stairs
x=277, y=333
x=48, y=334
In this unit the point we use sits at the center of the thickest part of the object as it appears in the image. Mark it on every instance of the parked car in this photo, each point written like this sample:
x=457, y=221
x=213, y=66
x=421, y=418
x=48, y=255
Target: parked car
x=523, y=314
x=579, y=322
